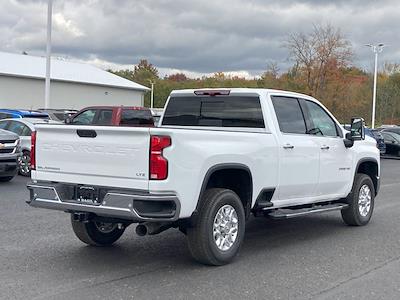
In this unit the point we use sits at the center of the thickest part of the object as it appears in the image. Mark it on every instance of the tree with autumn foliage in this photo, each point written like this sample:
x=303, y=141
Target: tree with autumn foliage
x=322, y=67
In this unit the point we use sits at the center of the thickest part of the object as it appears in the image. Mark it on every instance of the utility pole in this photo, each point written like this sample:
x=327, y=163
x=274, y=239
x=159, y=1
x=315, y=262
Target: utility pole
x=48, y=54
x=376, y=49
x=152, y=94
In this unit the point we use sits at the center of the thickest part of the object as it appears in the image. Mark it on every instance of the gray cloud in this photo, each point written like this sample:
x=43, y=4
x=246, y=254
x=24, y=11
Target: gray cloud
x=198, y=36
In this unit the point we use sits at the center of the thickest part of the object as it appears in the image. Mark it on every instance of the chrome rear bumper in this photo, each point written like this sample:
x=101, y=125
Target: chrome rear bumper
x=132, y=205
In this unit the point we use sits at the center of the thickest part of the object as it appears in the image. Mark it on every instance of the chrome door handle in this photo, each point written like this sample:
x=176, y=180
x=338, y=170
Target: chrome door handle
x=288, y=146
x=324, y=147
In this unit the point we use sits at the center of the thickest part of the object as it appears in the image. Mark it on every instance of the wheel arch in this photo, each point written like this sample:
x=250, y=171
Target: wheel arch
x=370, y=167
x=228, y=175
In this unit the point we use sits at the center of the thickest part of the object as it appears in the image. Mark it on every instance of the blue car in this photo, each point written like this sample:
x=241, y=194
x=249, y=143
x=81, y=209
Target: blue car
x=20, y=113
x=380, y=142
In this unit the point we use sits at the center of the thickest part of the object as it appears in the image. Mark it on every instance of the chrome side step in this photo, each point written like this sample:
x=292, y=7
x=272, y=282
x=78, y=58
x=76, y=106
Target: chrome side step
x=293, y=213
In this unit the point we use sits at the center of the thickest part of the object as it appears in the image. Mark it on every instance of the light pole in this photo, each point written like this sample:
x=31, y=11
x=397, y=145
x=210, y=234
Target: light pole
x=152, y=94
x=48, y=55
x=376, y=49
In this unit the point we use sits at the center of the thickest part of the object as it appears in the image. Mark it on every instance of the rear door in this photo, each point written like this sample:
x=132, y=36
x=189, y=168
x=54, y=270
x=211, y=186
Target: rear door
x=299, y=155
x=93, y=155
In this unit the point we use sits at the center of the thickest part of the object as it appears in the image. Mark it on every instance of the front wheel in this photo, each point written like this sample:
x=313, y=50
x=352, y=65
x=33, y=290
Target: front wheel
x=24, y=162
x=361, y=202
x=97, y=233
x=219, y=230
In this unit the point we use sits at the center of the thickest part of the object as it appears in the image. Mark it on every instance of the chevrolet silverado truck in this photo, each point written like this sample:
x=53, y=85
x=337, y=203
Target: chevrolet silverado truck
x=10, y=151
x=219, y=156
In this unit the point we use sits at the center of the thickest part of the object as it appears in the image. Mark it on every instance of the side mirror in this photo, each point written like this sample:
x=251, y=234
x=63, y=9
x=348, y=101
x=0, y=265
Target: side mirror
x=357, y=129
x=357, y=132
x=67, y=120
x=348, y=141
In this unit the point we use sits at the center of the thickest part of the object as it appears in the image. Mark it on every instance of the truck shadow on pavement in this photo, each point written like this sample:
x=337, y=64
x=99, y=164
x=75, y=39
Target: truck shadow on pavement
x=169, y=249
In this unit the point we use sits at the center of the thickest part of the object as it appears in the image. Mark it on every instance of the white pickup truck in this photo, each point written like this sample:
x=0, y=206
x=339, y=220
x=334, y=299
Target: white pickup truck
x=218, y=156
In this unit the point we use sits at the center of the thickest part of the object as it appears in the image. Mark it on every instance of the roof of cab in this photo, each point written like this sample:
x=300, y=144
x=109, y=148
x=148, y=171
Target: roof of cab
x=244, y=91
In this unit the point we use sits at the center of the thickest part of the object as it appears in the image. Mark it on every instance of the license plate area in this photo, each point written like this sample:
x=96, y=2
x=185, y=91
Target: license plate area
x=87, y=195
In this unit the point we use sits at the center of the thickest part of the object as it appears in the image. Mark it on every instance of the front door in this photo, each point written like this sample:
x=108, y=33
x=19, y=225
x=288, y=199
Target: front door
x=335, y=159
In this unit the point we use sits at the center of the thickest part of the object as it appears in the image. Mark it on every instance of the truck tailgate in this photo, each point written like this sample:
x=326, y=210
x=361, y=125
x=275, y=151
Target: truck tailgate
x=93, y=155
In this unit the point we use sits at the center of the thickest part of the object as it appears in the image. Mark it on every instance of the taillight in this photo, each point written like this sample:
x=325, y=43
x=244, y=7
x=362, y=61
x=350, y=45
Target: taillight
x=158, y=163
x=33, y=150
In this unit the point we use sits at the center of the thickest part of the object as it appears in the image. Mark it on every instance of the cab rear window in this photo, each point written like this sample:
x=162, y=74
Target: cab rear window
x=218, y=111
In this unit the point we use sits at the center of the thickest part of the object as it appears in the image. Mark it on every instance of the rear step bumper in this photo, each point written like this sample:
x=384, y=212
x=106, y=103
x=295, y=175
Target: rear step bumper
x=293, y=213
x=132, y=205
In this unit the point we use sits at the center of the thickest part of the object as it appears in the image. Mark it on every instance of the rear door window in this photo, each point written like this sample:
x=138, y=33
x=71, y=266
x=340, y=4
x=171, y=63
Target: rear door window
x=136, y=117
x=26, y=131
x=289, y=114
x=104, y=117
x=218, y=111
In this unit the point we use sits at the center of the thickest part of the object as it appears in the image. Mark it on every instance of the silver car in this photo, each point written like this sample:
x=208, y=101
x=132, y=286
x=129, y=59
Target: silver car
x=23, y=128
x=9, y=154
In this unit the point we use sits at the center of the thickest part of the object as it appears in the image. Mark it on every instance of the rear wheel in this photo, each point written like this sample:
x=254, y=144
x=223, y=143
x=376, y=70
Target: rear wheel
x=97, y=233
x=219, y=230
x=361, y=202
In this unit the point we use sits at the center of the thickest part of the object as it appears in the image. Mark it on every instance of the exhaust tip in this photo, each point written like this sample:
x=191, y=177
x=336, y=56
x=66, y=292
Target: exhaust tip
x=141, y=230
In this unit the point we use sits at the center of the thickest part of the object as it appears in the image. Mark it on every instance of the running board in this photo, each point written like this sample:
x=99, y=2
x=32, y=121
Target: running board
x=293, y=213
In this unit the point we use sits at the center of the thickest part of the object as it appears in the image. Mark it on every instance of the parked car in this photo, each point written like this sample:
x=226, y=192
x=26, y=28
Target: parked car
x=24, y=128
x=380, y=143
x=113, y=116
x=392, y=129
x=10, y=150
x=392, y=141
x=374, y=133
x=217, y=157
x=387, y=127
x=59, y=114
x=20, y=113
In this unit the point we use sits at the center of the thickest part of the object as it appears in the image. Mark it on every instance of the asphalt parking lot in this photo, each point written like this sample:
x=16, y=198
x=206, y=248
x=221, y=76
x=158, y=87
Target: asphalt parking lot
x=310, y=257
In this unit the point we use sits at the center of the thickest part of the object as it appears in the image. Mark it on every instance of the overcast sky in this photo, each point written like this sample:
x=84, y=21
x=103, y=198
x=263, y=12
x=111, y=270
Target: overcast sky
x=194, y=36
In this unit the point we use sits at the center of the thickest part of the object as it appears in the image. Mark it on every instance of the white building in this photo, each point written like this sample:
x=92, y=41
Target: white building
x=73, y=85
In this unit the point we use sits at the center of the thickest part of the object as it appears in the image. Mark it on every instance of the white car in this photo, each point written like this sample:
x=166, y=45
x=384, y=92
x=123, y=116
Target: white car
x=217, y=157
x=23, y=128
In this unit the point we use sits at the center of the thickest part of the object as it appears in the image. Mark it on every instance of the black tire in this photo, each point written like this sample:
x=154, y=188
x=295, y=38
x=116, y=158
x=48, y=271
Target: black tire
x=6, y=179
x=24, y=162
x=352, y=215
x=90, y=233
x=201, y=241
